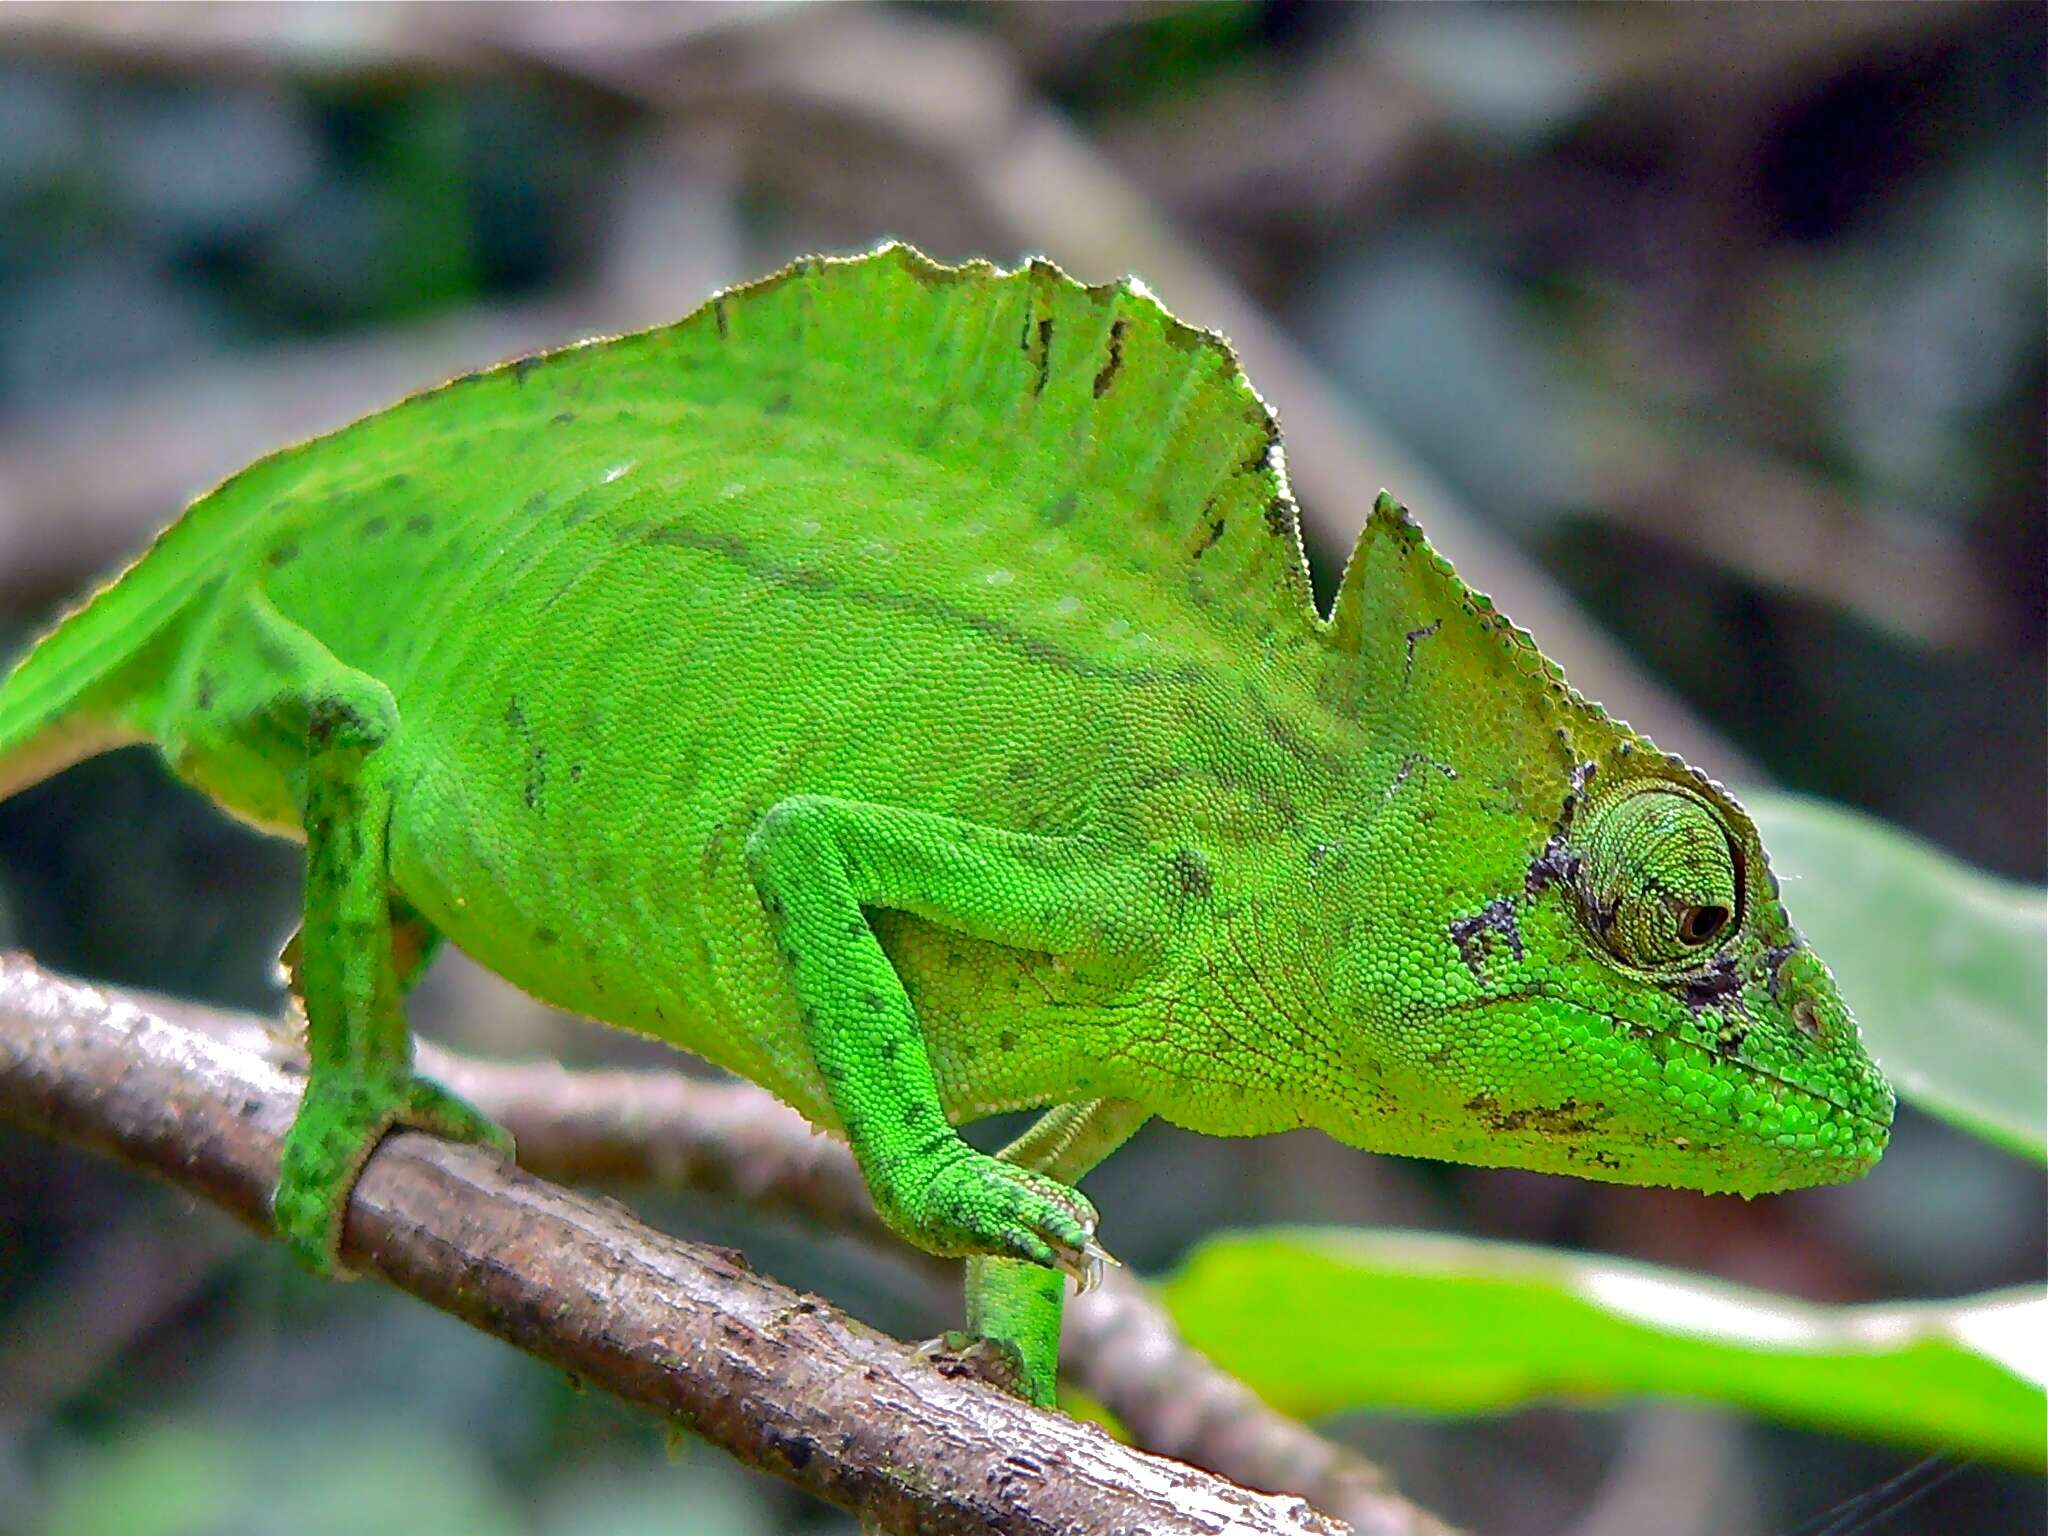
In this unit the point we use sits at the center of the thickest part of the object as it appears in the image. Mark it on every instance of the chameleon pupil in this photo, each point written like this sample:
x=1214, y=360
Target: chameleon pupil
x=1700, y=924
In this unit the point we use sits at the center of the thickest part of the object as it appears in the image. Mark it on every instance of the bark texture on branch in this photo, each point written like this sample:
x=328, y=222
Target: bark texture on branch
x=783, y=1381
x=736, y=1140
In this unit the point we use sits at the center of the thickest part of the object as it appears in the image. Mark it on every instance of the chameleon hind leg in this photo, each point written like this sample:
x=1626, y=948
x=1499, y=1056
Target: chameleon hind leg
x=817, y=863
x=414, y=943
x=1017, y=1306
x=261, y=678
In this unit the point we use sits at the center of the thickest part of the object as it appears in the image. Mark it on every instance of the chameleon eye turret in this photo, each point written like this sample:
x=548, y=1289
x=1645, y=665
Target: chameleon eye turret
x=1661, y=881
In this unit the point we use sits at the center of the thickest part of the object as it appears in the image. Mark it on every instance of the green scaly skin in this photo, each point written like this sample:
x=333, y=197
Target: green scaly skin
x=900, y=685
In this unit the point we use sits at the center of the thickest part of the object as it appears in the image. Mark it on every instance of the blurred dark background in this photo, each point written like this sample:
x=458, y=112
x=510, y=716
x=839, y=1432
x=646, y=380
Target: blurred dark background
x=1707, y=336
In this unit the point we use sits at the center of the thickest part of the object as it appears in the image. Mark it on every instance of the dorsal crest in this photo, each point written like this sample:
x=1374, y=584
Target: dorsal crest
x=1121, y=429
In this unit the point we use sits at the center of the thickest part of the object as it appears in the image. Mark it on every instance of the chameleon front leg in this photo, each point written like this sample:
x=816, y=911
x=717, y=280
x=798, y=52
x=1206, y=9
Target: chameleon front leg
x=816, y=862
x=1017, y=1305
x=261, y=675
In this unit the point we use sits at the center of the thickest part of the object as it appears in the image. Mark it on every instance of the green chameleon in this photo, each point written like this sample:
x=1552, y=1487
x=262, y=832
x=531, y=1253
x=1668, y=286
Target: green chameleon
x=900, y=684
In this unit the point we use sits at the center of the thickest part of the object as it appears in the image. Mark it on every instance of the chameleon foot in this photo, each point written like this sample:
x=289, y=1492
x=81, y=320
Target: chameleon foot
x=337, y=1128
x=979, y=1204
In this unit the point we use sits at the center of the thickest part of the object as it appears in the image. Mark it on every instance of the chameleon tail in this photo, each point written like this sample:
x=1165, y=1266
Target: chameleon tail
x=96, y=681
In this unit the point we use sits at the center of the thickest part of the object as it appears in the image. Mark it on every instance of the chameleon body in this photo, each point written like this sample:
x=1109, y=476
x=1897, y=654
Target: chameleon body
x=900, y=684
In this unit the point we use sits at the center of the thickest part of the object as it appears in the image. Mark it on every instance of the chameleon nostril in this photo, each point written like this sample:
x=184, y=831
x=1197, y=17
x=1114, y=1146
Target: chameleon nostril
x=1807, y=1017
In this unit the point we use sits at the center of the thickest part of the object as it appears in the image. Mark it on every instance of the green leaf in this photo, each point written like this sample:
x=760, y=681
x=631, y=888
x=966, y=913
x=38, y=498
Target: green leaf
x=1324, y=1321
x=1945, y=967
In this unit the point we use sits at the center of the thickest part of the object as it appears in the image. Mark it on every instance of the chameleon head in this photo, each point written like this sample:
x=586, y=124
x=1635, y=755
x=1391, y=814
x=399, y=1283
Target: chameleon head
x=1639, y=1010
x=1584, y=966
x=1754, y=1062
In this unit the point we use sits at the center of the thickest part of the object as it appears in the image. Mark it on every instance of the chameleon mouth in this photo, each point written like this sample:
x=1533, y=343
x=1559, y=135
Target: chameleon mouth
x=1750, y=1071
x=1862, y=1122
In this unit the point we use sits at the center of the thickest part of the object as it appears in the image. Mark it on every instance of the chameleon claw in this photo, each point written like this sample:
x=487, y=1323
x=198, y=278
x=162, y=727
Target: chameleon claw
x=1089, y=1271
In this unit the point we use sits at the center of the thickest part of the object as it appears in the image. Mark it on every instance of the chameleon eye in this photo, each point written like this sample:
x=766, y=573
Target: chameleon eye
x=1660, y=881
x=1698, y=925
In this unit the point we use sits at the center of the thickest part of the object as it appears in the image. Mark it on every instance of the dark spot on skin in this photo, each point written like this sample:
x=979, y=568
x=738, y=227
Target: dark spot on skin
x=1269, y=439
x=1807, y=1018
x=1774, y=961
x=419, y=523
x=575, y=772
x=1566, y=1119
x=874, y=1002
x=1060, y=509
x=521, y=367
x=1410, y=639
x=890, y=1048
x=1006, y=1041
x=465, y=378
x=718, y=314
x=1044, y=356
x=546, y=937
x=1553, y=866
x=561, y=418
x=1581, y=775
x=912, y=1113
x=1209, y=538
x=514, y=715
x=1023, y=768
x=1474, y=936
x=1108, y=374
x=332, y=718
x=284, y=554
x=535, y=504
x=205, y=690
x=536, y=777
x=1191, y=873
x=1280, y=516
x=1712, y=990
x=375, y=526
x=778, y=406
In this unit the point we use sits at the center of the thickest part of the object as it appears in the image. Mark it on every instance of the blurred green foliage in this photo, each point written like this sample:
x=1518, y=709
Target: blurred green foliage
x=1450, y=1325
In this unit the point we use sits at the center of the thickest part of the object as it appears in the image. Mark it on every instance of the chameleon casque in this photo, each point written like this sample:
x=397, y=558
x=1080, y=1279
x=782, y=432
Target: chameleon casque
x=900, y=684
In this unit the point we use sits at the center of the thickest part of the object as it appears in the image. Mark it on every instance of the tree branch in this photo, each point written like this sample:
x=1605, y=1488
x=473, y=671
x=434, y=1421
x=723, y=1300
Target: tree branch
x=736, y=1140
x=782, y=1381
